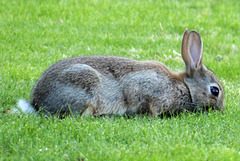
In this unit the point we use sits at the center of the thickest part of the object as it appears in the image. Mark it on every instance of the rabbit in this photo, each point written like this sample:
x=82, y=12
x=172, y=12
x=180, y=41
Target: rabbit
x=111, y=85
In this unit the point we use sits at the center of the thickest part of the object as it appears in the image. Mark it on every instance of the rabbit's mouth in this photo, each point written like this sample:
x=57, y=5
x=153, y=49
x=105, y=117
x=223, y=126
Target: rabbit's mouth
x=209, y=107
x=194, y=107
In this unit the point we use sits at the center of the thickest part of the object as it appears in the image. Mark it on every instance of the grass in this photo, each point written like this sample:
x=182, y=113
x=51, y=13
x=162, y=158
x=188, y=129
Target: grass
x=35, y=34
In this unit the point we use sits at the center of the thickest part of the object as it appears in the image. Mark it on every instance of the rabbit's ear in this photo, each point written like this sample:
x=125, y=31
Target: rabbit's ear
x=184, y=49
x=192, y=50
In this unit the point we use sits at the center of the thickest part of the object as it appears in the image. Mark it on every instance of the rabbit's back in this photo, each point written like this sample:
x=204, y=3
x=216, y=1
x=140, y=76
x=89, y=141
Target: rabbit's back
x=109, y=65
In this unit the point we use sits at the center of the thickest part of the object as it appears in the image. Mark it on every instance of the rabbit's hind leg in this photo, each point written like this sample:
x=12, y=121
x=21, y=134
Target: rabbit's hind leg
x=74, y=89
x=81, y=76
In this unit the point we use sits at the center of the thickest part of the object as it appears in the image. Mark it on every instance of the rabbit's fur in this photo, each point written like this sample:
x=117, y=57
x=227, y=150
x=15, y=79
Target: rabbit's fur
x=103, y=85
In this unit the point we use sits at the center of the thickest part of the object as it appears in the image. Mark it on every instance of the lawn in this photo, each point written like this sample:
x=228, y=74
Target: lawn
x=35, y=34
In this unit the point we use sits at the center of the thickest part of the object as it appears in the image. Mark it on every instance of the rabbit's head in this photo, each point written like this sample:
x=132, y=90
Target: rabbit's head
x=205, y=89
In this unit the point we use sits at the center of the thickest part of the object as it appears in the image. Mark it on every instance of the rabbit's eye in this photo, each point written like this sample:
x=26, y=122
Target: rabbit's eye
x=214, y=91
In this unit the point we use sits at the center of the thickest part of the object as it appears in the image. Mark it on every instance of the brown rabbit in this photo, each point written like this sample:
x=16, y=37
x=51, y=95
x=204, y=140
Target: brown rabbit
x=102, y=85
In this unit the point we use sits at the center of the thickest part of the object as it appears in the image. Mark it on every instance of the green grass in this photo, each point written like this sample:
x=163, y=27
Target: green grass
x=35, y=34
